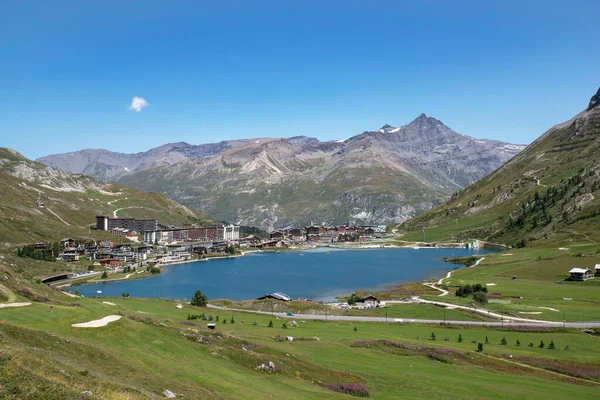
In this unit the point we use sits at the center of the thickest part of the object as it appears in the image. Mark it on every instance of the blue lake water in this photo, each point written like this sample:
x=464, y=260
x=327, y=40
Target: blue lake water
x=315, y=274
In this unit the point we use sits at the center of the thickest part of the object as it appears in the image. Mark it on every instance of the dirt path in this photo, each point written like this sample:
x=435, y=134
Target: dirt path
x=58, y=216
x=483, y=311
x=448, y=275
x=541, y=369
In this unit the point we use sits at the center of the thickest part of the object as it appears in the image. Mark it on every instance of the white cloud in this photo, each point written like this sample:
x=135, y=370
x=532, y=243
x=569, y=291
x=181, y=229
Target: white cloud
x=137, y=103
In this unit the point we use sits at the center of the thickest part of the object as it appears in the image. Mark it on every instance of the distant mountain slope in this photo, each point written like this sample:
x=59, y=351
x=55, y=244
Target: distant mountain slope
x=550, y=187
x=43, y=203
x=384, y=176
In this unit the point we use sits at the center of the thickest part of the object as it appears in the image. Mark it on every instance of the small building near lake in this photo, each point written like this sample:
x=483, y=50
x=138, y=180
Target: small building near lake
x=580, y=274
x=370, y=300
x=276, y=296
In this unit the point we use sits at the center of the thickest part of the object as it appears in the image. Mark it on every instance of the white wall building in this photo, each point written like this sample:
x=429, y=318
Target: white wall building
x=231, y=232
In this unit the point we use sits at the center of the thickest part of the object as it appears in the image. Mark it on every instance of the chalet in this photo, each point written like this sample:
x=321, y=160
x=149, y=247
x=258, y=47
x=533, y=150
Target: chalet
x=277, y=235
x=110, y=262
x=70, y=255
x=597, y=270
x=312, y=230
x=370, y=300
x=580, y=274
x=276, y=296
x=274, y=243
x=67, y=242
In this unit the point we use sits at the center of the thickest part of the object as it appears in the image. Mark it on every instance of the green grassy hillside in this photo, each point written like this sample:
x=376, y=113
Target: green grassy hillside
x=550, y=191
x=71, y=202
x=154, y=347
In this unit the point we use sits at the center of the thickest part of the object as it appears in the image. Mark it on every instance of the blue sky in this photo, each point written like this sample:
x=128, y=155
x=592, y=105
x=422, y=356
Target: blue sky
x=218, y=70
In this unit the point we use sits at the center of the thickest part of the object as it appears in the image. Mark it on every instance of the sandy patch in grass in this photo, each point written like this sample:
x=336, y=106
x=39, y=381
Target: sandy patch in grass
x=7, y=305
x=550, y=308
x=530, y=312
x=563, y=248
x=109, y=303
x=97, y=323
x=490, y=284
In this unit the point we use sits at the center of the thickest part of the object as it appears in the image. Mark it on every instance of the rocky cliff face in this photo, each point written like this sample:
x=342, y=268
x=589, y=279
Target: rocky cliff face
x=382, y=176
x=595, y=101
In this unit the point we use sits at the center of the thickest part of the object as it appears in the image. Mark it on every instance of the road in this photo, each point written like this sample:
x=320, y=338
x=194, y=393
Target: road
x=349, y=318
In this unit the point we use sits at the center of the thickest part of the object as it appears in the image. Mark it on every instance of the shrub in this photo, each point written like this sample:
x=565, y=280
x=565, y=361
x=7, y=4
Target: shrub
x=233, y=321
x=355, y=329
x=518, y=342
x=217, y=318
x=486, y=340
x=432, y=336
x=284, y=325
x=480, y=297
x=551, y=345
x=459, y=338
x=270, y=324
x=503, y=341
x=479, y=347
x=541, y=346
x=354, y=298
x=352, y=389
x=104, y=275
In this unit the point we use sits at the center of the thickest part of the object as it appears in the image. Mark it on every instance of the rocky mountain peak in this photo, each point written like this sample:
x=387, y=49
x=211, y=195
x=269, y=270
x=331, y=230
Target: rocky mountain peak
x=595, y=101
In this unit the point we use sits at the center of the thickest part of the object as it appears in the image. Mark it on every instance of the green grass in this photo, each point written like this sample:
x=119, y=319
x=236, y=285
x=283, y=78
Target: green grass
x=137, y=357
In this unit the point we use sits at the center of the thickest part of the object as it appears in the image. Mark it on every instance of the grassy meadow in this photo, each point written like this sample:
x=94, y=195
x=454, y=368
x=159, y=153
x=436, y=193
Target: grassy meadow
x=155, y=347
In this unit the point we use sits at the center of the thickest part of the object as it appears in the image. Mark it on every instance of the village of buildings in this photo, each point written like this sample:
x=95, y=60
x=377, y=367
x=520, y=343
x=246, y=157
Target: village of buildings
x=141, y=243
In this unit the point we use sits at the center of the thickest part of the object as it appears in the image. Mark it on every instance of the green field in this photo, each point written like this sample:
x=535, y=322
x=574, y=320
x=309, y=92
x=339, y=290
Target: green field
x=136, y=358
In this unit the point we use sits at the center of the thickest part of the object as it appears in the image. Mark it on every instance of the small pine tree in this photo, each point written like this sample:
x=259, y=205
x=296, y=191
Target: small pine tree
x=270, y=324
x=503, y=341
x=459, y=338
x=104, y=275
x=217, y=318
x=530, y=344
x=224, y=321
x=284, y=325
x=518, y=342
x=432, y=336
x=551, y=345
x=479, y=347
x=355, y=329
x=486, y=340
x=232, y=320
x=541, y=346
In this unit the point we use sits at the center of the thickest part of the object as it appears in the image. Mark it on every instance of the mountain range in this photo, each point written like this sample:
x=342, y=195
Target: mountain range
x=549, y=190
x=382, y=176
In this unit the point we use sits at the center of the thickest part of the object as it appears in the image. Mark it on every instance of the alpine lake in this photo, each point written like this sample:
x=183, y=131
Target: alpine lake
x=319, y=274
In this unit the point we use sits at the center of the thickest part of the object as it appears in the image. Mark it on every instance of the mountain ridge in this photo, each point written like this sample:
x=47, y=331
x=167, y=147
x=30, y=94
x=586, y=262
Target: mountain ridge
x=379, y=176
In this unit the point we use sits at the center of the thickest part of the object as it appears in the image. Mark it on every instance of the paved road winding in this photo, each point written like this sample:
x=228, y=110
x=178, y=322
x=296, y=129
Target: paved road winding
x=350, y=318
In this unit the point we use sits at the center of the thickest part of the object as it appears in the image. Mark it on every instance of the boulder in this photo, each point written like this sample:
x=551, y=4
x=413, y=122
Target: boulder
x=168, y=394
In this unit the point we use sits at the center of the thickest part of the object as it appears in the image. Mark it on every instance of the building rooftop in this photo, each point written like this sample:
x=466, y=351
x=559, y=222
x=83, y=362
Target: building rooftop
x=578, y=270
